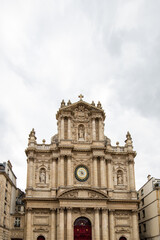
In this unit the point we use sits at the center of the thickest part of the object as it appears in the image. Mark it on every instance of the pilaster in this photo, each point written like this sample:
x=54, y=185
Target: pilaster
x=69, y=171
x=62, y=128
x=61, y=223
x=69, y=128
x=105, y=224
x=53, y=224
x=29, y=224
x=111, y=225
x=95, y=172
x=135, y=226
x=93, y=129
x=96, y=224
x=103, y=172
x=69, y=224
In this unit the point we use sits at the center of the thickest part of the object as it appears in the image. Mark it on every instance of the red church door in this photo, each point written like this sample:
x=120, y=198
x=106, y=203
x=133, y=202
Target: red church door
x=41, y=238
x=122, y=238
x=82, y=229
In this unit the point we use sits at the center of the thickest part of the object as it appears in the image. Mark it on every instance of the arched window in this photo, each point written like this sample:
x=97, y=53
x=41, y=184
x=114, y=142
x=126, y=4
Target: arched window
x=40, y=238
x=119, y=177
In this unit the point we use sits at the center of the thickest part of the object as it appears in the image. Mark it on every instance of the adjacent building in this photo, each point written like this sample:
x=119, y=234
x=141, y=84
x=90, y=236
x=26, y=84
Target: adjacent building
x=11, y=205
x=149, y=209
x=7, y=198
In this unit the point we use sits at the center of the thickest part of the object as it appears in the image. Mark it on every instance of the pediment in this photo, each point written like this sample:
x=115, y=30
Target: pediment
x=81, y=108
x=83, y=193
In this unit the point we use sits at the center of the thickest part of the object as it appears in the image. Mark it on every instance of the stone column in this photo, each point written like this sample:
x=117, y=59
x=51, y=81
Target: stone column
x=105, y=224
x=57, y=225
x=29, y=224
x=61, y=171
x=111, y=225
x=135, y=226
x=131, y=175
x=54, y=173
x=61, y=224
x=101, y=134
x=30, y=173
x=96, y=224
x=103, y=172
x=93, y=129
x=53, y=224
x=110, y=174
x=95, y=172
x=69, y=224
x=62, y=128
x=69, y=129
x=69, y=171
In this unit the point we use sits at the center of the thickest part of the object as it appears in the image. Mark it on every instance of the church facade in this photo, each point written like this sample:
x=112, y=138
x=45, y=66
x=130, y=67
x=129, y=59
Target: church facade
x=80, y=186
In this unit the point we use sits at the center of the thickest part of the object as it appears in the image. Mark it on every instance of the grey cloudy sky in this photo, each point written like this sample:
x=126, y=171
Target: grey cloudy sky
x=106, y=50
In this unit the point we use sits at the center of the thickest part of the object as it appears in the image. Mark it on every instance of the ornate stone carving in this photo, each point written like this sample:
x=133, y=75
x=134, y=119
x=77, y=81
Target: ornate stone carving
x=82, y=210
x=83, y=194
x=81, y=113
x=122, y=230
x=40, y=229
x=73, y=194
x=94, y=195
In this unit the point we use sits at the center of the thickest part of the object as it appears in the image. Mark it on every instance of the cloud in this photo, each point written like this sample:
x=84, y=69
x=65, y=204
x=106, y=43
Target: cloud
x=54, y=50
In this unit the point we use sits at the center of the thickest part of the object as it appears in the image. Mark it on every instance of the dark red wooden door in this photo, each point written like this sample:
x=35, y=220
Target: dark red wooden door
x=122, y=238
x=41, y=238
x=82, y=229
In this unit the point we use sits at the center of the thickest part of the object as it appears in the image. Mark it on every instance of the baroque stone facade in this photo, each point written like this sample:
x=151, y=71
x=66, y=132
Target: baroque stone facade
x=80, y=186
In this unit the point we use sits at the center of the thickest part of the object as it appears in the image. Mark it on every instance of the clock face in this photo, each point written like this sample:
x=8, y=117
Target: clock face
x=81, y=173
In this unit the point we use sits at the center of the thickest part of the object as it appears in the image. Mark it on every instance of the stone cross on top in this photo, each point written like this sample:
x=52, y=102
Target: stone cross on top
x=81, y=96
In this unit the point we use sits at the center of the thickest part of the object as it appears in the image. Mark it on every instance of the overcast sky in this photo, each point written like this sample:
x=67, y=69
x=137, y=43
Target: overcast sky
x=107, y=50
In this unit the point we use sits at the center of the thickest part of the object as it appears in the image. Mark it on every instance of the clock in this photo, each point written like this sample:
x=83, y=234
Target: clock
x=81, y=173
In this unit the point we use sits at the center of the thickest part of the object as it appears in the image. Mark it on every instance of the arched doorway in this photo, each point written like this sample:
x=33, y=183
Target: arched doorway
x=123, y=238
x=41, y=238
x=82, y=229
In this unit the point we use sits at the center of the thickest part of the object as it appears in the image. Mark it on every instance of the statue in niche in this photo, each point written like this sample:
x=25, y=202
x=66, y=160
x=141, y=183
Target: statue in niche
x=119, y=177
x=42, y=176
x=81, y=132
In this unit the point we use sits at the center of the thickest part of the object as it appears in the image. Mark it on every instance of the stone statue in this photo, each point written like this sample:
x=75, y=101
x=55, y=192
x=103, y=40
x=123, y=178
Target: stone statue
x=42, y=176
x=119, y=178
x=81, y=132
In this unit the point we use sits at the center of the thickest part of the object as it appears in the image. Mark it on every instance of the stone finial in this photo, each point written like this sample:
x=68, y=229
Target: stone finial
x=128, y=141
x=93, y=104
x=117, y=143
x=69, y=103
x=63, y=103
x=99, y=104
x=32, y=138
x=128, y=136
x=43, y=141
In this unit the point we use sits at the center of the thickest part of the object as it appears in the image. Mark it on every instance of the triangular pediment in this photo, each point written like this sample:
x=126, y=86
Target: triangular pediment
x=83, y=193
x=81, y=106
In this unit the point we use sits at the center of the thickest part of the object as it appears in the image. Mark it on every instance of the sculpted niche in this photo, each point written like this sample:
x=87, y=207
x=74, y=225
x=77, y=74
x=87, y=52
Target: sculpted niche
x=42, y=175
